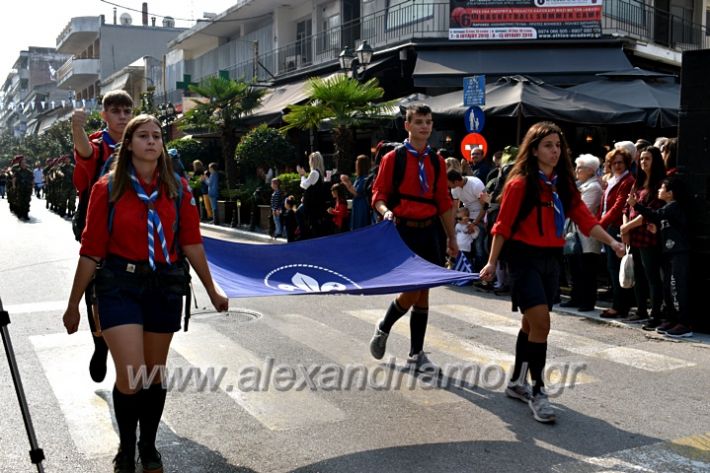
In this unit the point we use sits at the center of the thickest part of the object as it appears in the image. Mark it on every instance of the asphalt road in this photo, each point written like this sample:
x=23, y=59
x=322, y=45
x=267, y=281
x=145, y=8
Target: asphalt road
x=630, y=401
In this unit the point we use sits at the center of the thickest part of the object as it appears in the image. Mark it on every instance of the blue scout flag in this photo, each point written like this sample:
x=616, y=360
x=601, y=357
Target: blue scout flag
x=370, y=260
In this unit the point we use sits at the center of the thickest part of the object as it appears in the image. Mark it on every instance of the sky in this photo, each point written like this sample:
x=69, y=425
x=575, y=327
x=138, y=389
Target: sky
x=38, y=22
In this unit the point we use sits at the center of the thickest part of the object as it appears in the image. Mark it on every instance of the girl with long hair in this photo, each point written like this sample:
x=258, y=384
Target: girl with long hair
x=142, y=219
x=539, y=194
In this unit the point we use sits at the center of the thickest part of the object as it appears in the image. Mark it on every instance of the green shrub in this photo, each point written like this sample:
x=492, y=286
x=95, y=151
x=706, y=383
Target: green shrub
x=291, y=184
x=263, y=146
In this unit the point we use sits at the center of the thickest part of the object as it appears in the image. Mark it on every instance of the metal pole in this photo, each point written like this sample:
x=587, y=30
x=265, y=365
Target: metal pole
x=36, y=453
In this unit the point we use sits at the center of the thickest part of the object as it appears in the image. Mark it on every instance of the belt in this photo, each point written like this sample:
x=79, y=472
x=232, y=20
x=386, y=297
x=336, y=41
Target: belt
x=133, y=267
x=427, y=222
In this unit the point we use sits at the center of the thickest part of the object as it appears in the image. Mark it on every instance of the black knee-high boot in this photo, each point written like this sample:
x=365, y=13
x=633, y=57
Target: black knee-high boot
x=151, y=411
x=522, y=361
x=394, y=313
x=126, y=408
x=418, y=320
x=538, y=358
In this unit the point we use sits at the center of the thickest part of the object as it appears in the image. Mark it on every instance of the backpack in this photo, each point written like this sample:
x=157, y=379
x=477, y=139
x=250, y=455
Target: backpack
x=400, y=165
x=78, y=221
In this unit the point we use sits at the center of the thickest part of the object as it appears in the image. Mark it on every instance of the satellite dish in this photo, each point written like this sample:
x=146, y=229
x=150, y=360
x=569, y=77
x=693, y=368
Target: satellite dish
x=126, y=19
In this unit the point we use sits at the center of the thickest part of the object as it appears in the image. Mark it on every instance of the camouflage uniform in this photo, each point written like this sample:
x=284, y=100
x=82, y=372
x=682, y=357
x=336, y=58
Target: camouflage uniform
x=20, y=189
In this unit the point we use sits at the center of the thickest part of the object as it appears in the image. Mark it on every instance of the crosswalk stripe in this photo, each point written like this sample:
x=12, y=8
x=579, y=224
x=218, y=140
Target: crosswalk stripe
x=685, y=454
x=633, y=357
x=465, y=350
x=348, y=351
x=88, y=416
x=33, y=307
x=205, y=348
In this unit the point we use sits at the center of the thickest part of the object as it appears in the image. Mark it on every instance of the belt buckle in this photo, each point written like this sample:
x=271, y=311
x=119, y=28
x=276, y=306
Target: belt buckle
x=131, y=268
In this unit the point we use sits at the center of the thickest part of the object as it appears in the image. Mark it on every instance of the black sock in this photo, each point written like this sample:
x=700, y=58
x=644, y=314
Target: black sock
x=520, y=369
x=418, y=319
x=151, y=411
x=538, y=357
x=394, y=313
x=126, y=408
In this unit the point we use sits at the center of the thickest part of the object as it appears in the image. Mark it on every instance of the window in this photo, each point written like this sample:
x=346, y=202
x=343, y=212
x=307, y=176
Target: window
x=632, y=12
x=330, y=33
x=707, y=22
x=405, y=12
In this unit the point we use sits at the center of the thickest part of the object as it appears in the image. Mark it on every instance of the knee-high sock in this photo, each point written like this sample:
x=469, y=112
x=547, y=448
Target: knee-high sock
x=127, y=407
x=522, y=361
x=151, y=411
x=417, y=325
x=538, y=357
x=394, y=313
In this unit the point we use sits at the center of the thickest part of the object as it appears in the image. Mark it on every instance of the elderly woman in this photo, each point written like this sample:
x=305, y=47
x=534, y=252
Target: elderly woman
x=583, y=265
x=613, y=203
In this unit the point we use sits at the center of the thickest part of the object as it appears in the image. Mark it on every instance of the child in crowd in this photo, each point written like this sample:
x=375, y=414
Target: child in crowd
x=672, y=222
x=277, y=204
x=465, y=232
x=288, y=219
x=340, y=211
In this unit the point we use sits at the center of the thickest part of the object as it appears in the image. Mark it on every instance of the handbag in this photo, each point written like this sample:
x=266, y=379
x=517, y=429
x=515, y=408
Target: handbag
x=626, y=270
x=573, y=245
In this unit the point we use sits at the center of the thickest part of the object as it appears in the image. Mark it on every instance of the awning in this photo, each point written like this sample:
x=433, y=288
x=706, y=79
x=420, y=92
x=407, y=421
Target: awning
x=280, y=97
x=446, y=68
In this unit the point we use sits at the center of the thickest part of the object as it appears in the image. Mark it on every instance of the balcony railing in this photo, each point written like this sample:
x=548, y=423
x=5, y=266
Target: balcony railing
x=75, y=72
x=410, y=21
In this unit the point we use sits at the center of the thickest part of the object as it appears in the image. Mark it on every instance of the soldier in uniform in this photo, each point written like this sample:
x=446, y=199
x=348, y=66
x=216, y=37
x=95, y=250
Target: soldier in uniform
x=66, y=192
x=21, y=189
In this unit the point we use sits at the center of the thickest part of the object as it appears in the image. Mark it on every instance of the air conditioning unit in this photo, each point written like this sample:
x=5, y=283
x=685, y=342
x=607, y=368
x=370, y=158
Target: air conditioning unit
x=293, y=62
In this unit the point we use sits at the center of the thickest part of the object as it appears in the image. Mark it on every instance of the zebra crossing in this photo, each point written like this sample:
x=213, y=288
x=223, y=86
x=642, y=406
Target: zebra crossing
x=306, y=403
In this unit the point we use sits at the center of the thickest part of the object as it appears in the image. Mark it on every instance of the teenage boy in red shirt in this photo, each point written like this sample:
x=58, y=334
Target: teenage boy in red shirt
x=90, y=154
x=421, y=205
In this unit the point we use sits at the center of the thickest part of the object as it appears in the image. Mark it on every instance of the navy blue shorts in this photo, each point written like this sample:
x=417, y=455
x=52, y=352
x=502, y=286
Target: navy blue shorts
x=144, y=299
x=424, y=242
x=534, y=275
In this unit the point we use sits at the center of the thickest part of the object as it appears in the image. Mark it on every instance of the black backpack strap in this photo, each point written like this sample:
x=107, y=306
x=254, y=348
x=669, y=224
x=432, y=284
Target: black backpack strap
x=400, y=166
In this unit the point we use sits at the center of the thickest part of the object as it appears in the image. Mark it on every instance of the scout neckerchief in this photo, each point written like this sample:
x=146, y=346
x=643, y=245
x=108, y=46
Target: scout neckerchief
x=154, y=223
x=107, y=139
x=423, y=183
x=557, y=203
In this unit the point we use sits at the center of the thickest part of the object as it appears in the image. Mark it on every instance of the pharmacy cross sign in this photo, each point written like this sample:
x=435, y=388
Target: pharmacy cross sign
x=185, y=83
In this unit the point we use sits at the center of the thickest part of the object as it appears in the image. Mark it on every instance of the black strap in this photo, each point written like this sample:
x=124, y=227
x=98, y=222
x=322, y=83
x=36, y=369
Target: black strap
x=400, y=166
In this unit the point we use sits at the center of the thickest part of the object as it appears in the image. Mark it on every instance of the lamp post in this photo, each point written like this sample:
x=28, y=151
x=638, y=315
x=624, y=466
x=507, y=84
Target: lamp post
x=167, y=115
x=352, y=62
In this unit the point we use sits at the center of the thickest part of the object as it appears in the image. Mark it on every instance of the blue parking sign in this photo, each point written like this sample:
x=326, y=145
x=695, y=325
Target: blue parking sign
x=474, y=119
x=474, y=90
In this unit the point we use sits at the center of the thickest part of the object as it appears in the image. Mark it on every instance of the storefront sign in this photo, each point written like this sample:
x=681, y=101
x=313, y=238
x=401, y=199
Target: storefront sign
x=525, y=19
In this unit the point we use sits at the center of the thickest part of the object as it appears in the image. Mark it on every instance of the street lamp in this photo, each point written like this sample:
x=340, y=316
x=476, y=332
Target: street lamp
x=167, y=115
x=352, y=62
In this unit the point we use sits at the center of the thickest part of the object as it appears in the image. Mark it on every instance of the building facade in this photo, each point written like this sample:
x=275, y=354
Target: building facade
x=30, y=88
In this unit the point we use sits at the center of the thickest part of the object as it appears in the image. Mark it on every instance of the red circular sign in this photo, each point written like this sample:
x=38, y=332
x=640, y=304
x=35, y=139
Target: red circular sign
x=470, y=141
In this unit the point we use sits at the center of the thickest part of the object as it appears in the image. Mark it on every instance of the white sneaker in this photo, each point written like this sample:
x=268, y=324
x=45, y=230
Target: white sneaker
x=541, y=408
x=522, y=392
x=378, y=344
x=422, y=364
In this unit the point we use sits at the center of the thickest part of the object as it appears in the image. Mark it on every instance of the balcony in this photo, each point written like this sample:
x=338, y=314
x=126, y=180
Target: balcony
x=78, y=34
x=78, y=73
x=408, y=22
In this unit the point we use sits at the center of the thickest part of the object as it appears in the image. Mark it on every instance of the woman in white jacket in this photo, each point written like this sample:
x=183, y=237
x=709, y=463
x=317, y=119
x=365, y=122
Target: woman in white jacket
x=583, y=266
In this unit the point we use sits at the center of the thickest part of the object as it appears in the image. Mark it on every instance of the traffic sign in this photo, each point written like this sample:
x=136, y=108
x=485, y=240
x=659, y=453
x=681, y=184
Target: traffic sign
x=474, y=90
x=474, y=119
x=470, y=141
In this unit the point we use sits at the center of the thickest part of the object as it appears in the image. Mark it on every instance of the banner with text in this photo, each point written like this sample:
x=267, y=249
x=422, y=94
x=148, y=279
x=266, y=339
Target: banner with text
x=525, y=19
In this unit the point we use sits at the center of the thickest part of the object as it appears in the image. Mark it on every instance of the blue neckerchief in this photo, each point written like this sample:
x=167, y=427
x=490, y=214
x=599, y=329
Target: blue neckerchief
x=107, y=139
x=423, y=183
x=559, y=210
x=154, y=223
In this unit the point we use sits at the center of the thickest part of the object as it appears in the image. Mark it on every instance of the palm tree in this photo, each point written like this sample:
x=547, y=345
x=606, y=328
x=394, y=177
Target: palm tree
x=344, y=103
x=229, y=101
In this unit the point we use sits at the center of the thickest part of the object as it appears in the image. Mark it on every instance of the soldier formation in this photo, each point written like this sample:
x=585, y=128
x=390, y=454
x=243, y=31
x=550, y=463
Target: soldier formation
x=59, y=189
x=19, y=188
x=18, y=182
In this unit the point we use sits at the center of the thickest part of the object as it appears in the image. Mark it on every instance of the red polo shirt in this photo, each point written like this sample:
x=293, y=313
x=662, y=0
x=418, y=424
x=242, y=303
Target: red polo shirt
x=129, y=236
x=85, y=169
x=409, y=209
x=528, y=231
